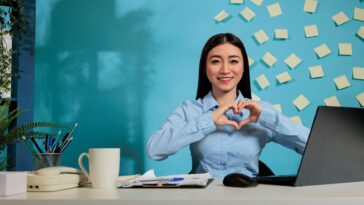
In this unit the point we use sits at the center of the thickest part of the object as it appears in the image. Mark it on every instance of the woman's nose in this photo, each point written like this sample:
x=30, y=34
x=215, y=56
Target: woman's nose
x=224, y=68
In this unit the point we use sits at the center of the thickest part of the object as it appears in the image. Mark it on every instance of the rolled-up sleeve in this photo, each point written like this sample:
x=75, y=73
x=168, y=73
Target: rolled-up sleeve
x=284, y=130
x=179, y=131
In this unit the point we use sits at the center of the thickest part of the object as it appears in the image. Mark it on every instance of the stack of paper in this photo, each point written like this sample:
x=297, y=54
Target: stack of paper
x=183, y=180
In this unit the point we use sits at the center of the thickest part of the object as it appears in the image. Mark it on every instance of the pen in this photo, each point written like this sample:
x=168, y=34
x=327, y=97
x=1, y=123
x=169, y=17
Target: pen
x=37, y=146
x=55, y=143
x=169, y=179
x=46, y=143
x=66, y=144
x=69, y=133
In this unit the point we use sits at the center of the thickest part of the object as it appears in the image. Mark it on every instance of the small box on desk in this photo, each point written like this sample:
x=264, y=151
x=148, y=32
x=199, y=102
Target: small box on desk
x=13, y=183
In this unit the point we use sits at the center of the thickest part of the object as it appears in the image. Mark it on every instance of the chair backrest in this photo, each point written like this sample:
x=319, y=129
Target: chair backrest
x=264, y=170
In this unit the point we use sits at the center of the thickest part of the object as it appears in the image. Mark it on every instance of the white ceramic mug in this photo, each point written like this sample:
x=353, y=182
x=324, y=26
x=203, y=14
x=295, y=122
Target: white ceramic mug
x=104, y=165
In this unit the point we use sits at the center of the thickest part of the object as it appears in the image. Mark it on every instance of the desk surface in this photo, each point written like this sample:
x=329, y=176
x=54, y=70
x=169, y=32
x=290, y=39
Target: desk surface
x=215, y=193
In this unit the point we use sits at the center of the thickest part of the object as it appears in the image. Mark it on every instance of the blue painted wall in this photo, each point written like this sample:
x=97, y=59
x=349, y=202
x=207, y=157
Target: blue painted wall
x=120, y=67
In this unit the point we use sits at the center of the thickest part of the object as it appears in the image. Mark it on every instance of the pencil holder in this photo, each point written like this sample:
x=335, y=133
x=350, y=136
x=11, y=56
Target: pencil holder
x=43, y=160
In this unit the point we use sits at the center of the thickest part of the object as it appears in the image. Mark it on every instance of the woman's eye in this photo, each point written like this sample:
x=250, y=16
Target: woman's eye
x=234, y=61
x=215, y=61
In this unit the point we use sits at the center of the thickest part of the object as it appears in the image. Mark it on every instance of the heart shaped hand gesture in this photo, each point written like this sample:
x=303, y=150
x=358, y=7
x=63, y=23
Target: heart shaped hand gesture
x=255, y=109
x=219, y=117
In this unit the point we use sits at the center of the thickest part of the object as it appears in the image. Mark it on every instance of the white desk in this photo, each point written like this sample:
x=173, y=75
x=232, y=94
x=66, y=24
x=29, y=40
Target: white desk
x=215, y=193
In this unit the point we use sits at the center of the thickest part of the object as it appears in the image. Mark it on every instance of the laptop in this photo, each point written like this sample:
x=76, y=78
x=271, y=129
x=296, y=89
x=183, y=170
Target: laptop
x=334, y=152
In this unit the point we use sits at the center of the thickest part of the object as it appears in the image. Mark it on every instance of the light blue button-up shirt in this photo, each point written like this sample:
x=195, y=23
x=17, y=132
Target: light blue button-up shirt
x=221, y=150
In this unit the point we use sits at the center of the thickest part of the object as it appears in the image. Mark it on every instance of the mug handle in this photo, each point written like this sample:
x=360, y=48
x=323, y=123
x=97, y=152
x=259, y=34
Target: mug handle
x=81, y=164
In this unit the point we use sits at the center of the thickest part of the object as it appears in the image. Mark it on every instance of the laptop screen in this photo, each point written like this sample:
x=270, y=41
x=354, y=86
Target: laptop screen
x=335, y=149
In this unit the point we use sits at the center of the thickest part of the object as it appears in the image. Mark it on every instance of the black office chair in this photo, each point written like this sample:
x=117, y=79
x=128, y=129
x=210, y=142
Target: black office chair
x=264, y=170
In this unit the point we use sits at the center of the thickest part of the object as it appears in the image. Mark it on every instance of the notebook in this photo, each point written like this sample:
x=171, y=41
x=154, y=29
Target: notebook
x=334, y=152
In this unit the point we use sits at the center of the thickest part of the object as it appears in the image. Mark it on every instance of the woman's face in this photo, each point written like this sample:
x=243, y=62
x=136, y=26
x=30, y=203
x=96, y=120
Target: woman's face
x=224, y=67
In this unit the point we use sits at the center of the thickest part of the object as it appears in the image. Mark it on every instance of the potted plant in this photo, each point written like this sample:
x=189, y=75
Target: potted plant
x=12, y=21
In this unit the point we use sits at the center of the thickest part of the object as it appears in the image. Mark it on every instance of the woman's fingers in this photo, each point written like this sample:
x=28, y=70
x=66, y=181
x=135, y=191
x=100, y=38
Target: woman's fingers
x=230, y=122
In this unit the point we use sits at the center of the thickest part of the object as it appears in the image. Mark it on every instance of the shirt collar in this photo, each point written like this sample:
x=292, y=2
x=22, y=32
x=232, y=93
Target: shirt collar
x=209, y=102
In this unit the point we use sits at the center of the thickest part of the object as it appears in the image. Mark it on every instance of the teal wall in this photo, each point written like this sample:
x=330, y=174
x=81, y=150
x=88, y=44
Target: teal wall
x=120, y=67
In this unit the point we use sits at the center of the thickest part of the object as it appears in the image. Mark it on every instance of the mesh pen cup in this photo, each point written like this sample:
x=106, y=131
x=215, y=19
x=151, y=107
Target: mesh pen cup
x=43, y=160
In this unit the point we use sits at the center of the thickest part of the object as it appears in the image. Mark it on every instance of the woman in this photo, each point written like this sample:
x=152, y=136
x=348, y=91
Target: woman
x=225, y=129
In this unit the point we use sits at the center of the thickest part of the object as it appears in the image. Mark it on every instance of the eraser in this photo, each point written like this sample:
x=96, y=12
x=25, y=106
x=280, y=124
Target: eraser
x=13, y=183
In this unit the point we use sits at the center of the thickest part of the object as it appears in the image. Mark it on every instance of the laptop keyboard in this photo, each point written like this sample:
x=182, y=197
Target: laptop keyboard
x=277, y=180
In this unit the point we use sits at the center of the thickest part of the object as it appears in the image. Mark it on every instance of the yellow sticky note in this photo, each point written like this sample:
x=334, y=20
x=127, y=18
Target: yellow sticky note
x=251, y=61
x=301, y=102
x=332, y=101
x=345, y=49
x=257, y=2
x=360, y=98
x=255, y=97
x=263, y=81
x=278, y=107
x=358, y=73
x=361, y=32
x=322, y=50
x=310, y=6
x=342, y=82
x=247, y=14
x=269, y=59
x=283, y=77
x=261, y=36
x=222, y=15
x=292, y=61
x=358, y=14
x=274, y=10
x=311, y=31
x=281, y=33
x=296, y=119
x=340, y=18
x=316, y=71
x=236, y=1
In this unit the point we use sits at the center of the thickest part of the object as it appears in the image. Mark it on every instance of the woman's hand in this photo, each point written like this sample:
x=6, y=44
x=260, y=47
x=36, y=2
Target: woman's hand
x=219, y=117
x=254, y=108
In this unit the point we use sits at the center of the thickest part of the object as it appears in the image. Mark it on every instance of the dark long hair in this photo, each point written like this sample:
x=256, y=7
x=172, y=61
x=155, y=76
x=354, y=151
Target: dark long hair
x=204, y=85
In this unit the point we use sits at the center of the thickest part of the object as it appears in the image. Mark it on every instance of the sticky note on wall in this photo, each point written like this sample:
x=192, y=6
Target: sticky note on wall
x=283, y=77
x=247, y=14
x=342, y=82
x=360, y=32
x=358, y=73
x=257, y=2
x=316, y=71
x=345, y=49
x=281, y=33
x=310, y=6
x=236, y=1
x=296, y=119
x=301, y=102
x=322, y=50
x=292, y=61
x=251, y=61
x=255, y=97
x=263, y=81
x=360, y=98
x=274, y=10
x=261, y=36
x=340, y=18
x=332, y=101
x=221, y=16
x=269, y=59
x=358, y=14
x=311, y=31
x=278, y=107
